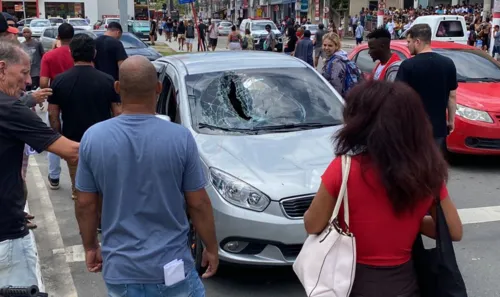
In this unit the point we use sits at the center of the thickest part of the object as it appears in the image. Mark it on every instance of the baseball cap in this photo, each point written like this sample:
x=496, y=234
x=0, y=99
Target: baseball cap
x=4, y=27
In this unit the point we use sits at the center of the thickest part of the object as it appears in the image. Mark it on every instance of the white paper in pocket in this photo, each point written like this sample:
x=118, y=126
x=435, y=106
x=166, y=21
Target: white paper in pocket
x=174, y=272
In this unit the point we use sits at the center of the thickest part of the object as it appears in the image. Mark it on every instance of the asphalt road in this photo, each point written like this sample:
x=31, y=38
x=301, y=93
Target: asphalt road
x=474, y=185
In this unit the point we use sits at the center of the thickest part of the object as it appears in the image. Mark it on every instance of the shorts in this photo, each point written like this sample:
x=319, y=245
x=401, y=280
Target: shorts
x=318, y=53
x=496, y=50
x=169, y=30
x=213, y=41
x=359, y=40
x=189, y=40
x=181, y=36
x=18, y=260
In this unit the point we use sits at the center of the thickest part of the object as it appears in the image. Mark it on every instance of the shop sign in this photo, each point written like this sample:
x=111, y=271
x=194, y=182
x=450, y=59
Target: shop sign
x=245, y=4
x=18, y=8
x=496, y=6
x=304, y=7
x=316, y=10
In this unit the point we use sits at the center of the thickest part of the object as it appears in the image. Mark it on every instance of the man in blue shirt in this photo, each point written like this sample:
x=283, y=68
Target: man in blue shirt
x=305, y=49
x=150, y=176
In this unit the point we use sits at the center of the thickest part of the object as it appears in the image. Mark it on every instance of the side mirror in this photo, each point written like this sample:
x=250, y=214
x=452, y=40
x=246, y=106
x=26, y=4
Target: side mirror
x=163, y=117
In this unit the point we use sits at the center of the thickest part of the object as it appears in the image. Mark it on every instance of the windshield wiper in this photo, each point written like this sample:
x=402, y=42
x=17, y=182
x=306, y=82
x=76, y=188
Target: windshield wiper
x=203, y=125
x=299, y=126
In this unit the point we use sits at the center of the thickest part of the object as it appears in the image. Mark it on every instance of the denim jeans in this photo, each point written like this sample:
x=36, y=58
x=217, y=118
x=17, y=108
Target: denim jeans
x=18, y=262
x=54, y=161
x=191, y=286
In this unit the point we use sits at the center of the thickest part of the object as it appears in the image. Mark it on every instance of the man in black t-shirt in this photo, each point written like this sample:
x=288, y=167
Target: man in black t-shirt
x=202, y=31
x=110, y=50
x=19, y=126
x=82, y=88
x=152, y=32
x=434, y=78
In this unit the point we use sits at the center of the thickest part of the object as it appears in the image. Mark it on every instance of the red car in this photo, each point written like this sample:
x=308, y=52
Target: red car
x=477, y=120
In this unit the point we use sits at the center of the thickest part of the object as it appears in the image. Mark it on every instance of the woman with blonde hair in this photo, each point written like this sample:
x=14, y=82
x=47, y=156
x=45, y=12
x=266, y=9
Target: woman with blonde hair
x=334, y=66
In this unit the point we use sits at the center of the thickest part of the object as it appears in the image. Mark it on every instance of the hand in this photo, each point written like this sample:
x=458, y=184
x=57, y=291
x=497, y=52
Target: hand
x=451, y=126
x=212, y=260
x=42, y=95
x=93, y=258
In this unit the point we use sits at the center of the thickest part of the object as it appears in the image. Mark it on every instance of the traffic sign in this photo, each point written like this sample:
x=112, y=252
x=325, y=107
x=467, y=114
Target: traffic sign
x=186, y=1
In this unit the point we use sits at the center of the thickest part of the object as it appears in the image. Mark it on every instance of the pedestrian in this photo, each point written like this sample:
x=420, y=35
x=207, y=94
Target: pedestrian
x=81, y=88
x=213, y=35
x=337, y=69
x=305, y=49
x=359, y=33
x=434, y=78
x=176, y=32
x=7, y=30
x=54, y=63
x=202, y=28
x=152, y=31
x=160, y=27
x=110, y=50
x=34, y=48
x=291, y=41
x=379, y=49
x=270, y=42
x=396, y=177
x=19, y=126
x=318, y=44
x=248, y=42
x=181, y=34
x=190, y=36
x=496, y=42
x=169, y=28
x=234, y=40
x=113, y=154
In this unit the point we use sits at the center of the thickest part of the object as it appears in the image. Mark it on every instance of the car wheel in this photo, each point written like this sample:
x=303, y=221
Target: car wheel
x=196, y=249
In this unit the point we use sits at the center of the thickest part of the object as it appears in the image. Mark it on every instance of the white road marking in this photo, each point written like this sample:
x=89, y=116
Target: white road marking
x=76, y=253
x=61, y=280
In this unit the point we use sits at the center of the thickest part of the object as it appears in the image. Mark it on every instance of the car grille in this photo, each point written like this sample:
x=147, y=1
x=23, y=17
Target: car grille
x=295, y=207
x=290, y=250
x=483, y=143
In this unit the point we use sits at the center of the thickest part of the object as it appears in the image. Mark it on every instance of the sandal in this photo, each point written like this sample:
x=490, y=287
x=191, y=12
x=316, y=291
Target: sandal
x=30, y=225
x=28, y=216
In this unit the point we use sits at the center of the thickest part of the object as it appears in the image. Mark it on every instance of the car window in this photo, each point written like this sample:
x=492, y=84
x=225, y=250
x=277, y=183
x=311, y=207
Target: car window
x=225, y=24
x=364, y=61
x=40, y=23
x=262, y=26
x=112, y=20
x=400, y=54
x=484, y=67
x=260, y=99
x=54, y=22
x=48, y=33
x=450, y=29
x=88, y=33
x=312, y=27
x=141, y=24
x=78, y=23
x=130, y=41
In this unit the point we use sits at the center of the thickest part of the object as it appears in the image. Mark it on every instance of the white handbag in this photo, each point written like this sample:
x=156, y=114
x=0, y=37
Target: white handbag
x=326, y=265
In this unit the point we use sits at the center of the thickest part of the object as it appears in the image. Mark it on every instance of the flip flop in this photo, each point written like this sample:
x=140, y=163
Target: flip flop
x=30, y=225
x=29, y=216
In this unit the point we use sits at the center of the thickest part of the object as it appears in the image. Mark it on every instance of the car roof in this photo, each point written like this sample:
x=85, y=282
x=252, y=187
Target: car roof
x=232, y=60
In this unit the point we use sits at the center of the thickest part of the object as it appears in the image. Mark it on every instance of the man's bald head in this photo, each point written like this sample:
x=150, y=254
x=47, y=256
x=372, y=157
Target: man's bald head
x=138, y=78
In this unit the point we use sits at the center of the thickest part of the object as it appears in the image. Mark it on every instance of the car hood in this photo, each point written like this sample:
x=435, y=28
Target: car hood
x=481, y=96
x=88, y=27
x=264, y=32
x=279, y=164
x=146, y=52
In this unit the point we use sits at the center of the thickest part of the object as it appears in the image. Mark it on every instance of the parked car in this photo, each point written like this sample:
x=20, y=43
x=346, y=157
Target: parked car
x=56, y=21
x=140, y=29
x=37, y=26
x=477, y=120
x=263, y=124
x=106, y=21
x=79, y=23
x=49, y=36
x=257, y=27
x=225, y=28
x=24, y=23
x=134, y=46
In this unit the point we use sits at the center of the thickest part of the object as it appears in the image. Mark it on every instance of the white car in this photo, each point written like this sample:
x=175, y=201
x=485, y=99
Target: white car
x=37, y=26
x=79, y=23
x=56, y=21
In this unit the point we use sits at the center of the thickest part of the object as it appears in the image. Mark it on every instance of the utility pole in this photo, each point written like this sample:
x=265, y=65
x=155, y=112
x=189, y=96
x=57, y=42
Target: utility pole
x=24, y=9
x=123, y=7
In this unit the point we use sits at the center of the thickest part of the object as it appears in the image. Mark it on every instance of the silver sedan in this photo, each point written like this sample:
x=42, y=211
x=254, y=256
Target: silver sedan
x=263, y=124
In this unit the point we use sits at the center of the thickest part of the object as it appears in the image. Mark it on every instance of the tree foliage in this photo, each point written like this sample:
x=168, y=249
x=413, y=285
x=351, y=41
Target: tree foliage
x=339, y=6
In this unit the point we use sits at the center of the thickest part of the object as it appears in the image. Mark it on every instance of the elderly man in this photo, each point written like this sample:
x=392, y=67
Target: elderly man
x=19, y=125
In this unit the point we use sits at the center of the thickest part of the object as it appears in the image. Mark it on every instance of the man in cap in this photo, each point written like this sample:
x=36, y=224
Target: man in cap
x=8, y=28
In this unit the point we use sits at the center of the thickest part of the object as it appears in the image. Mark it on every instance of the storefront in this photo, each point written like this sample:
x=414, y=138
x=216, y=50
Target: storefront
x=141, y=9
x=289, y=8
x=16, y=9
x=276, y=10
x=65, y=9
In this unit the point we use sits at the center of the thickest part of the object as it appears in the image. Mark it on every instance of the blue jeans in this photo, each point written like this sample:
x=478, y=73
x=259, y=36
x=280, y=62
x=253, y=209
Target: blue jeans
x=191, y=286
x=54, y=162
x=18, y=260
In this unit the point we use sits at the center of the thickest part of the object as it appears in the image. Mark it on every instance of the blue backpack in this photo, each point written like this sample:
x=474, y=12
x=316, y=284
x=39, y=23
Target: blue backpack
x=353, y=75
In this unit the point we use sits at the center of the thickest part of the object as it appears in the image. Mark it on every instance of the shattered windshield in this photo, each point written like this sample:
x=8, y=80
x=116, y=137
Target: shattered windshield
x=253, y=100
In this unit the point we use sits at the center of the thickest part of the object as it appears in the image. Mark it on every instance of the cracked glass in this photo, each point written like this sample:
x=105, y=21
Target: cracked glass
x=258, y=99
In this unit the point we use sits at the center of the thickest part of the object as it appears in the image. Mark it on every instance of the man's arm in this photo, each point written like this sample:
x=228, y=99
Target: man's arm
x=28, y=100
x=44, y=72
x=55, y=117
x=310, y=51
x=452, y=99
x=402, y=74
x=121, y=54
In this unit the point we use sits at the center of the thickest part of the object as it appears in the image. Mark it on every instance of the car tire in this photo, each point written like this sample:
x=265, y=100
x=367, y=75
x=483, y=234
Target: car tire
x=196, y=246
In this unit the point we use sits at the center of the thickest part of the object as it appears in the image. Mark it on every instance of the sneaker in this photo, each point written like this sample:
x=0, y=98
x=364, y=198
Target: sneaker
x=54, y=183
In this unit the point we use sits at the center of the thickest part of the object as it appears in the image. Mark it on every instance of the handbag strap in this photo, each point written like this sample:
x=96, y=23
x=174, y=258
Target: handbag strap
x=343, y=197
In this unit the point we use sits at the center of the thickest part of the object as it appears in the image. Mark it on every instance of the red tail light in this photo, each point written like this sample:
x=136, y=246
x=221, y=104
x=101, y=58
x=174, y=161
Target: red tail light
x=221, y=27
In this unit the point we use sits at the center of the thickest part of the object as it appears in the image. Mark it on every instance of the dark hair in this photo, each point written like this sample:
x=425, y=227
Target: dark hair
x=65, y=32
x=115, y=26
x=420, y=31
x=268, y=26
x=307, y=33
x=388, y=120
x=379, y=33
x=321, y=26
x=82, y=48
x=247, y=31
x=233, y=28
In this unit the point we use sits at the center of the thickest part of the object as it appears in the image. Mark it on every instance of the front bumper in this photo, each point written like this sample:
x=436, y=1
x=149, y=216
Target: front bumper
x=273, y=238
x=474, y=137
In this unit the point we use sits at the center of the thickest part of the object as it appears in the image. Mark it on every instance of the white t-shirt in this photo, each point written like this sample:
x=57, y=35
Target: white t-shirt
x=378, y=71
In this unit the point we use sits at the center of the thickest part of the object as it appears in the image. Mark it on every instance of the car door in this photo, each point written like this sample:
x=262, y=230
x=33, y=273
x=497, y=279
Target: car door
x=168, y=103
x=365, y=63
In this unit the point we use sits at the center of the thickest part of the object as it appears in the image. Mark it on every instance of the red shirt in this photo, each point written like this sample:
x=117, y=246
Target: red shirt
x=56, y=61
x=382, y=239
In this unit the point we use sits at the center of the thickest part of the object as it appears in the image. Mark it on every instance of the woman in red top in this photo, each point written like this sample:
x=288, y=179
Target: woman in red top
x=396, y=171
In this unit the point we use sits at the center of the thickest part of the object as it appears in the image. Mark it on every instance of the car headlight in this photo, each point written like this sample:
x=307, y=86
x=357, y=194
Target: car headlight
x=237, y=192
x=473, y=114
